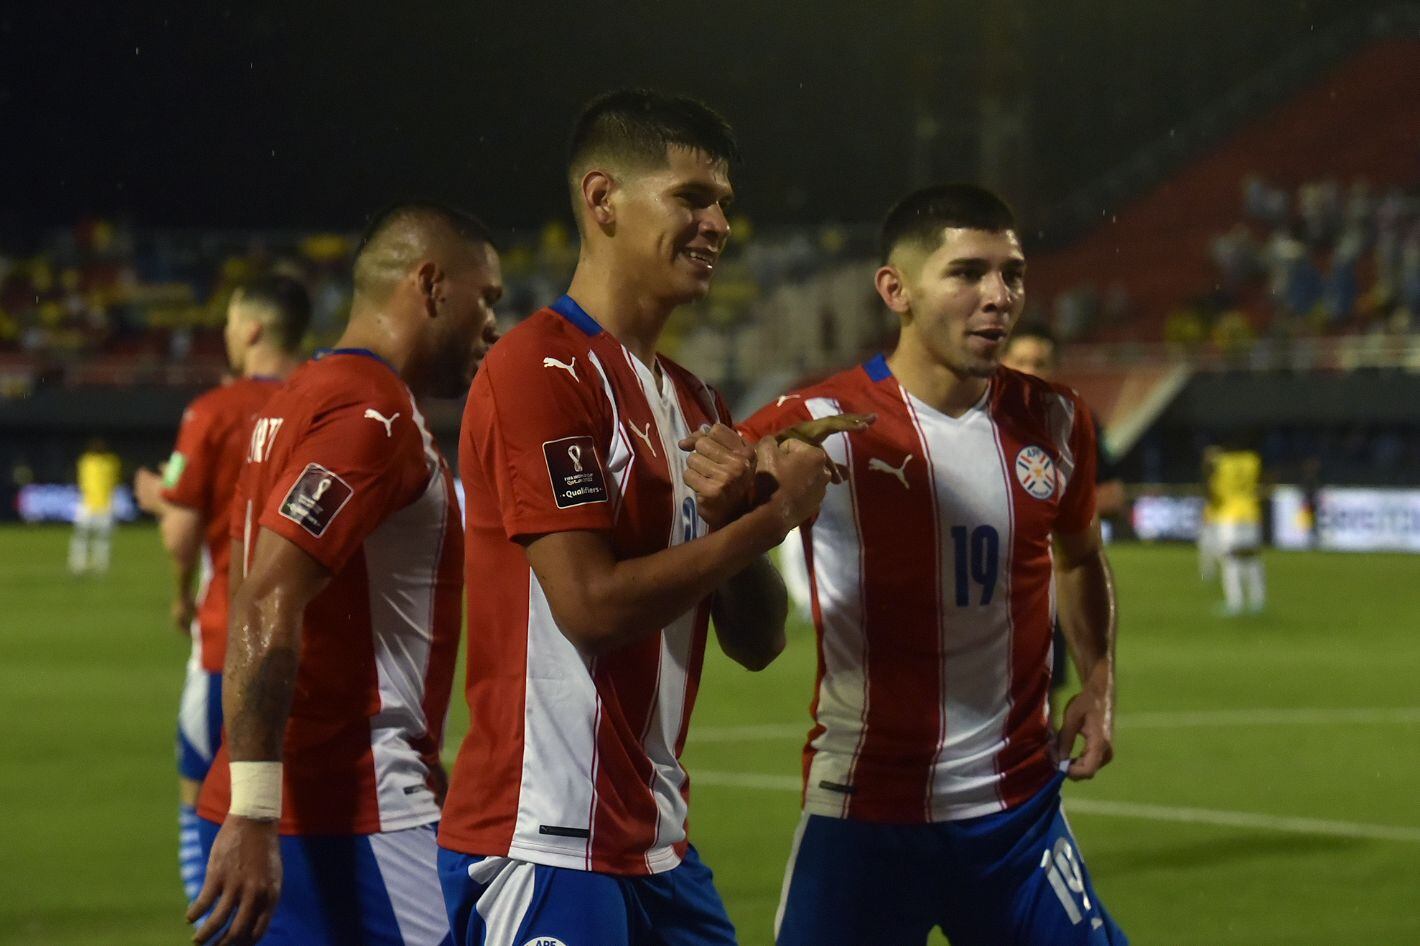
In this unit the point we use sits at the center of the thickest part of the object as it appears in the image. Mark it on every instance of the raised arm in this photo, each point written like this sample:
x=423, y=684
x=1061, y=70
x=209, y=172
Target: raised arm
x=602, y=604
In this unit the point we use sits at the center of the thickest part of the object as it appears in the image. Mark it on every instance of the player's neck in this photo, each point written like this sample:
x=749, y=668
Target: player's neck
x=268, y=364
x=633, y=319
x=933, y=383
x=380, y=335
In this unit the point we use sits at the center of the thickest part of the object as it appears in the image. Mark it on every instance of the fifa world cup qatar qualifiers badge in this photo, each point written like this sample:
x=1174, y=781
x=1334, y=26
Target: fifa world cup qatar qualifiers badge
x=575, y=472
x=316, y=498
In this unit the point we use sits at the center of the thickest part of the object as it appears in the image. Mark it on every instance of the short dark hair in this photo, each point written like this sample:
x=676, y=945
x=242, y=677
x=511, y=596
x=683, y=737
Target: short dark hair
x=287, y=306
x=464, y=224
x=638, y=125
x=1037, y=330
x=922, y=215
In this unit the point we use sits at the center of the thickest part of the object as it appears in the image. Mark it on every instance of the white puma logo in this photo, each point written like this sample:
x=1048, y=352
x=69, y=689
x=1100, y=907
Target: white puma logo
x=571, y=369
x=646, y=436
x=372, y=414
x=779, y=401
x=899, y=471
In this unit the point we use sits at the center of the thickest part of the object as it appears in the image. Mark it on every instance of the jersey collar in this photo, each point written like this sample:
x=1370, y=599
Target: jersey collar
x=363, y=352
x=877, y=368
x=568, y=308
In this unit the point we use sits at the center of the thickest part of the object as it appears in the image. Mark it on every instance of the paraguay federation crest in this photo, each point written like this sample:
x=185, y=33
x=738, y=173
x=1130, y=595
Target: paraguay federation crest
x=1036, y=472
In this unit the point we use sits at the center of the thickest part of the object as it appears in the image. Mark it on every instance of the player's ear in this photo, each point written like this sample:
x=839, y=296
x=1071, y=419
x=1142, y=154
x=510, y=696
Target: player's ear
x=429, y=279
x=892, y=288
x=596, y=189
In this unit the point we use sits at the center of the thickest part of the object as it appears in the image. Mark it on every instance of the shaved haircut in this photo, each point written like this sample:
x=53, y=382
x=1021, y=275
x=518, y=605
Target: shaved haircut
x=921, y=218
x=631, y=129
x=280, y=304
x=400, y=236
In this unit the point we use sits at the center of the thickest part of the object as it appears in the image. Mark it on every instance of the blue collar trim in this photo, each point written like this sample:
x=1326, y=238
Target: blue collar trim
x=363, y=352
x=568, y=308
x=877, y=368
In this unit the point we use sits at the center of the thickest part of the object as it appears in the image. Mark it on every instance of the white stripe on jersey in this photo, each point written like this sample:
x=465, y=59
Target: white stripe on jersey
x=971, y=493
x=838, y=583
x=561, y=711
x=401, y=566
x=677, y=638
x=623, y=458
x=407, y=861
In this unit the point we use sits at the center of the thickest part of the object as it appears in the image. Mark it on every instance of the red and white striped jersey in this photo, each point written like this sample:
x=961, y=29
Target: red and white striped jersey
x=340, y=463
x=570, y=760
x=201, y=475
x=932, y=594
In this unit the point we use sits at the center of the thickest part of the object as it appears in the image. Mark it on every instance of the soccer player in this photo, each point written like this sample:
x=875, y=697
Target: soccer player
x=1235, y=484
x=99, y=472
x=345, y=613
x=266, y=320
x=931, y=778
x=594, y=567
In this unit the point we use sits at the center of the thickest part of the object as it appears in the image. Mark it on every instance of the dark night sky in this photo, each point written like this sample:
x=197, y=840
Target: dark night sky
x=312, y=114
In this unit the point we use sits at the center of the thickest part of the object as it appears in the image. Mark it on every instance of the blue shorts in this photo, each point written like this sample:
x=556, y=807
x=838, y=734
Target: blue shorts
x=371, y=890
x=199, y=722
x=1011, y=878
x=495, y=901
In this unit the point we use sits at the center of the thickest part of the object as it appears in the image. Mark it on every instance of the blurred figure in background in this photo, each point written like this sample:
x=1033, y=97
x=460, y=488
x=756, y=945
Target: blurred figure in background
x=99, y=474
x=1236, y=482
x=266, y=320
x=1209, y=556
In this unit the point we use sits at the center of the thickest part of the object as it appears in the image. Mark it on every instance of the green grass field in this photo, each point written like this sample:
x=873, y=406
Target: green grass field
x=1263, y=791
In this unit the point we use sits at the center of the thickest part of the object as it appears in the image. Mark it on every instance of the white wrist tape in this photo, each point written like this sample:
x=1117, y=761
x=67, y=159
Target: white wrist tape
x=256, y=790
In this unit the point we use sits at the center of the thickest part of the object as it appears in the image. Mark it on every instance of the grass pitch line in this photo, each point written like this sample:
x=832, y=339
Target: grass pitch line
x=1403, y=715
x=1121, y=809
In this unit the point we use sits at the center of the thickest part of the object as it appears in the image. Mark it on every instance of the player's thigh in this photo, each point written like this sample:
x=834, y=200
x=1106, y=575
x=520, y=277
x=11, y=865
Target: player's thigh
x=1040, y=894
x=498, y=901
x=849, y=883
x=377, y=890
x=680, y=907
x=199, y=722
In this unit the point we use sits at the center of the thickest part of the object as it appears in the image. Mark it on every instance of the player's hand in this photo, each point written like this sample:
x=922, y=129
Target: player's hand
x=148, y=490
x=243, y=883
x=794, y=476
x=183, y=610
x=721, y=469
x=1090, y=713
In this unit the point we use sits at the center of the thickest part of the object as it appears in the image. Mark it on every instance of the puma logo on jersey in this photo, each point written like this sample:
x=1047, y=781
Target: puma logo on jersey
x=779, y=401
x=571, y=369
x=898, y=471
x=645, y=436
x=372, y=414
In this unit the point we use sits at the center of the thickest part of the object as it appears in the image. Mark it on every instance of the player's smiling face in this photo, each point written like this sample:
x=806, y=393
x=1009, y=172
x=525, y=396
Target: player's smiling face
x=964, y=297
x=672, y=221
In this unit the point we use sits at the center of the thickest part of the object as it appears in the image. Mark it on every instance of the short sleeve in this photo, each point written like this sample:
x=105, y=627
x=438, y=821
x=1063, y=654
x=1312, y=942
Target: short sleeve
x=188, y=476
x=343, y=478
x=1077, y=506
x=541, y=438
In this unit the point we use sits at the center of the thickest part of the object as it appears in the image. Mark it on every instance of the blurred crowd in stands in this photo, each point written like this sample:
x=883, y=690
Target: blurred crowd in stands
x=106, y=303
x=1326, y=260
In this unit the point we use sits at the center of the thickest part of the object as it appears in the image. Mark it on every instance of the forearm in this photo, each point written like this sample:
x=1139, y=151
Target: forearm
x=605, y=605
x=259, y=677
x=181, y=530
x=749, y=613
x=1086, y=604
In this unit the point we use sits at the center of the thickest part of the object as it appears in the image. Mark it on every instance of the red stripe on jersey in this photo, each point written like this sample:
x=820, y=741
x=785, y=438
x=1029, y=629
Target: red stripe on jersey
x=904, y=667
